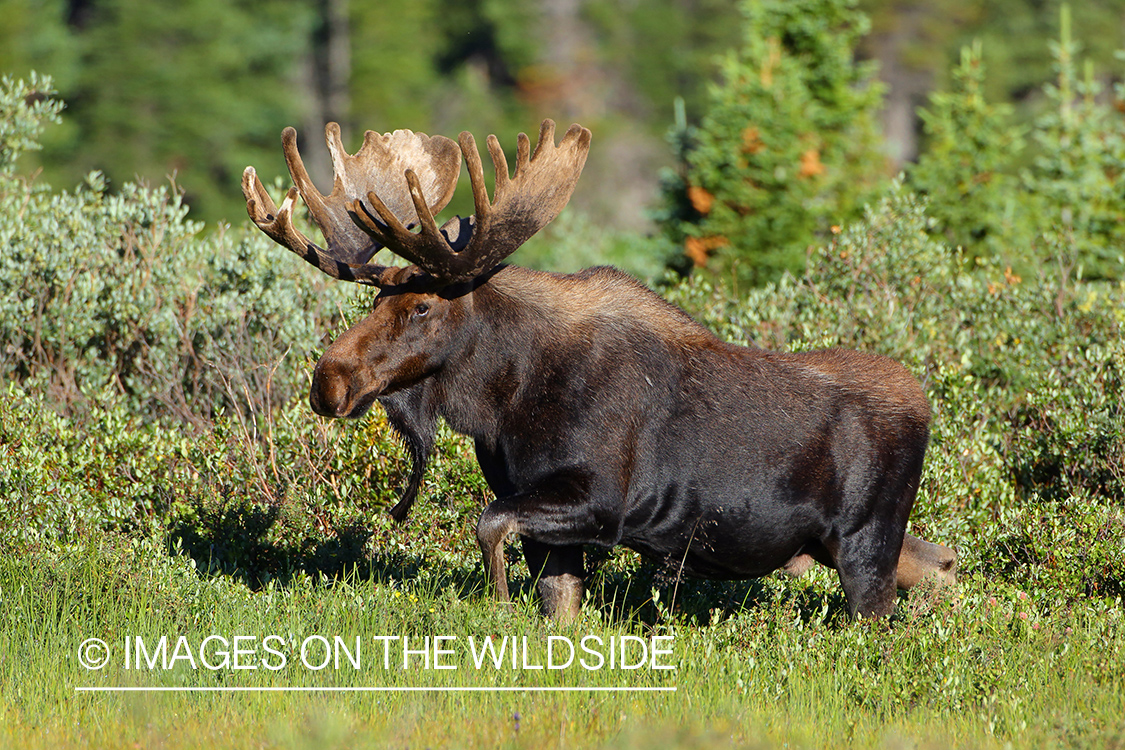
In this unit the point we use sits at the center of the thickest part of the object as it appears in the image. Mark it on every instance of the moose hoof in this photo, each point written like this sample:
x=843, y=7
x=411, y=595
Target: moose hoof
x=561, y=597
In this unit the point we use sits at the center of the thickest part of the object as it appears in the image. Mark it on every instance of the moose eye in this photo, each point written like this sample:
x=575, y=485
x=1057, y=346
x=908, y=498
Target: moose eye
x=421, y=309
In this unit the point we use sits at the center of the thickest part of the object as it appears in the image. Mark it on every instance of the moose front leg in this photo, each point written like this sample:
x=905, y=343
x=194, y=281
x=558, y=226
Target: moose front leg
x=558, y=574
x=493, y=530
x=553, y=527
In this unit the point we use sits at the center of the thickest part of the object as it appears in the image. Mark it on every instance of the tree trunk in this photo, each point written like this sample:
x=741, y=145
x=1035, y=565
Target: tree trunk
x=327, y=74
x=907, y=85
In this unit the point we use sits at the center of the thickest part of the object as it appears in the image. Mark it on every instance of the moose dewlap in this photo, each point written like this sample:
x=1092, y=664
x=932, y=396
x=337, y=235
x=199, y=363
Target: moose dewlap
x=601, y=414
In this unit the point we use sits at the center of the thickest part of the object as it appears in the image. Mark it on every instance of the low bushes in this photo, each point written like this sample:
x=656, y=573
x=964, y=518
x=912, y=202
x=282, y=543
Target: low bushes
x=161, y=374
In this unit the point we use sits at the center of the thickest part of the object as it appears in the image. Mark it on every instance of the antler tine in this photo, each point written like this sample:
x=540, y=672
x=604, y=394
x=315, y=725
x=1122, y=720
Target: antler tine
x=468, y=144
x=528, y=201
x=377, y=167
x=386, y=228
x=277, y=223
x=546, y=135
x=524, y=204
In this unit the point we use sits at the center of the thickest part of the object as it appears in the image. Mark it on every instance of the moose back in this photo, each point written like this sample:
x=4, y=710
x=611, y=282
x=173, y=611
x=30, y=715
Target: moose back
x=600, y=413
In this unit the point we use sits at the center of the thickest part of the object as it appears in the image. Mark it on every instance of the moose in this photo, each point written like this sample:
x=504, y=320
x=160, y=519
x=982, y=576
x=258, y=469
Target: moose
x=601, y=414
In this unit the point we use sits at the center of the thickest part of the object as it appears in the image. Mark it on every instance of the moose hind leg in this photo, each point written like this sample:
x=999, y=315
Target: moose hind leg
x=557, y=572
x=493, y=529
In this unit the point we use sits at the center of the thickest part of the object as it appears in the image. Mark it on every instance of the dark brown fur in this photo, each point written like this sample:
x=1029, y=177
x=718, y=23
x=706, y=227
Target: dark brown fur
x=603, y=415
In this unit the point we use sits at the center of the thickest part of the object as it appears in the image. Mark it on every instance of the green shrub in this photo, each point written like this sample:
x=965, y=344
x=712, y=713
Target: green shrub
x=120, y=294
x=66, y=481
x=25, y=109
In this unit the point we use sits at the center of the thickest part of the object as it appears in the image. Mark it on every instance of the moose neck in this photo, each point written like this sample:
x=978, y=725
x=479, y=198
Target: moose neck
x=524, y=330
x=505, y=335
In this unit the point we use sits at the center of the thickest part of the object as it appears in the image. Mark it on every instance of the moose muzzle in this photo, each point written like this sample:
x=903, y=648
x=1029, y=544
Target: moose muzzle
x=339, y=390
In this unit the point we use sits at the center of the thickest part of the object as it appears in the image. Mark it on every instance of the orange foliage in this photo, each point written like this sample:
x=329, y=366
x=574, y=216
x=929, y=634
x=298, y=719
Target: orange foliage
x=700, y=199
x=811, y=165
x=752, y=140
x=699, y=248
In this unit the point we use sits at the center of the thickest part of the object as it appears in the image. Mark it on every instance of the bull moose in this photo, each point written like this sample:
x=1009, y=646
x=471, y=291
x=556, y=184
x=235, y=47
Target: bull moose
x=601, y=414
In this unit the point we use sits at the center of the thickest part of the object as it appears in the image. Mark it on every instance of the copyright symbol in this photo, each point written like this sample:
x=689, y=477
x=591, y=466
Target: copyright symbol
x=93, y=653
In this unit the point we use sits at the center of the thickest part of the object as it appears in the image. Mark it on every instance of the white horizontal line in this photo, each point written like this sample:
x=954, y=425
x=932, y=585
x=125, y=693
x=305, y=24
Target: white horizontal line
x=366, y=689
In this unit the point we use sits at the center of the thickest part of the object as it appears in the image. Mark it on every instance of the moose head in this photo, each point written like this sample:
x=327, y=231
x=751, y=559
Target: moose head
x=394, y=184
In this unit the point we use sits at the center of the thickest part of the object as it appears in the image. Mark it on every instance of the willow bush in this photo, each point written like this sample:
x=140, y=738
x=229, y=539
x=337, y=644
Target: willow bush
x=117, y=295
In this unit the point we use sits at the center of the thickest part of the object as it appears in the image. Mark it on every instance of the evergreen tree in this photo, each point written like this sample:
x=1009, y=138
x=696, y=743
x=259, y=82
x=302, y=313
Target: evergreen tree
x=664, y=49
x=1075, y=182
x=968, y=168
x=394, y=65
x=196, y=89
x=34, y=36
x=789, y=146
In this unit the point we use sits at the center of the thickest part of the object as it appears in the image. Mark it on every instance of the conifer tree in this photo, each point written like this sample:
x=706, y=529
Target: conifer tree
x=1075, y=182
x=789, y=146
x=968, y=168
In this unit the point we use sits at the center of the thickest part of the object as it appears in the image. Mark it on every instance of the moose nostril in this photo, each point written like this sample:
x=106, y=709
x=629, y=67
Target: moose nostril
x=326, y=395
x=328, y=402
x=314, y=400
x=334, y=388
x=342, y=408
x=316, y=403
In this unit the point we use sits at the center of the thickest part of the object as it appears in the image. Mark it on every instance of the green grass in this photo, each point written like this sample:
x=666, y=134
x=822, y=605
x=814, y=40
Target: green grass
x=979, y=665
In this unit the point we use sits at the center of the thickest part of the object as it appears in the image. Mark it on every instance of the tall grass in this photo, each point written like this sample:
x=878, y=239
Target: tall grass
x=982, y=665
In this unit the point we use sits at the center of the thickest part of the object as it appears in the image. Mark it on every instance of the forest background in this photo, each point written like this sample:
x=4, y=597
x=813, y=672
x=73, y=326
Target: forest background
x=198, y=90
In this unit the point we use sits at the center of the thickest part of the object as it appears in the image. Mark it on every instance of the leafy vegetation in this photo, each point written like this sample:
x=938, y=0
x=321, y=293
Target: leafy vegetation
x=789, y=145
x=163, y=477
x=119, y=295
